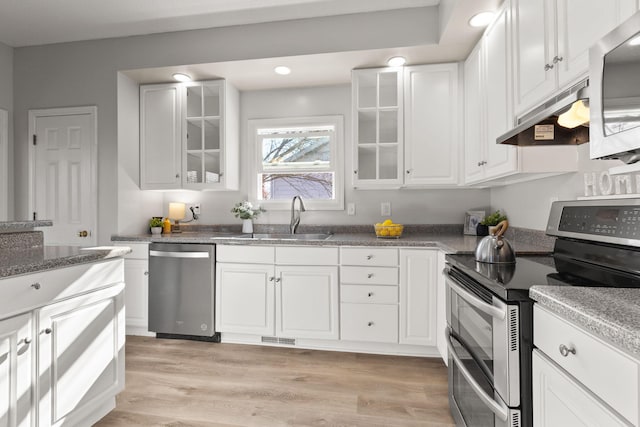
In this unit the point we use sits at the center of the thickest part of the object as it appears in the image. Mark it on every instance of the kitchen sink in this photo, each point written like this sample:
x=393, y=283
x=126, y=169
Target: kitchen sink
x=288, y=236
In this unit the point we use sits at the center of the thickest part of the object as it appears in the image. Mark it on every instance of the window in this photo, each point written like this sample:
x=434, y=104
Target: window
x=298, y=156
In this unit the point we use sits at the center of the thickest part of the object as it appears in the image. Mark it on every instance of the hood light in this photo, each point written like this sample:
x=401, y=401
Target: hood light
x=635, y=41
x=181, y=77
x=577, y=115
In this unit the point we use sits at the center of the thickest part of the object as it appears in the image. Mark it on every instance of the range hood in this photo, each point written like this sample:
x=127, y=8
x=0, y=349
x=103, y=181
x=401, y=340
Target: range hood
x=540, y=126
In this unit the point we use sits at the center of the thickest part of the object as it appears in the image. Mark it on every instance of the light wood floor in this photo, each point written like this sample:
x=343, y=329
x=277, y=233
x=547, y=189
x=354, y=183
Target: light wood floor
x=187, y=383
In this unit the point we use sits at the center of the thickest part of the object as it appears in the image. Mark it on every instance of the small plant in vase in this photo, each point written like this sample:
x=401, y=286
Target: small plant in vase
x=155, y=224
x=247, y=213
x=489, y=221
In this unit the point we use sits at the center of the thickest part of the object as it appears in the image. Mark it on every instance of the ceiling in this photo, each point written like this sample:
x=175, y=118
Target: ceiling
x=39, y=22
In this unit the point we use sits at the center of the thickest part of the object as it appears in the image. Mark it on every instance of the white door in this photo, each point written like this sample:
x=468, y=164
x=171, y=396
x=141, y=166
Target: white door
x=64, y=185
x=4, y=165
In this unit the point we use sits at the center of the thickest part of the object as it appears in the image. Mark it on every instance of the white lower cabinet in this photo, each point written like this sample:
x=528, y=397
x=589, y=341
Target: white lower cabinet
x=559, y=400
x=136, y=276
x=73, y=344
x=16, y=358
x=580, y=380
x=269, y=299
x=80, y=356
x=418, y=293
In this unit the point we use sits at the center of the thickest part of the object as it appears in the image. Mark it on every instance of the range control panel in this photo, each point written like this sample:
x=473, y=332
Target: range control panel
x=613, y=221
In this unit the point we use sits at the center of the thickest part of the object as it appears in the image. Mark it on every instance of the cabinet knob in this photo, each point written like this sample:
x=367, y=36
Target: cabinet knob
x=564, y=350
x=548, y=67
x=557, y=59
x=369, y=276
x=408, y=171
x=177, y=175
x=36, y=286
x=370, y=294
x=271, y=279
x=278, y=280
x=27, y=340
x=370, y=324
x=146, y=273
x=369, y=256
x=48, y=331
x=355, y=172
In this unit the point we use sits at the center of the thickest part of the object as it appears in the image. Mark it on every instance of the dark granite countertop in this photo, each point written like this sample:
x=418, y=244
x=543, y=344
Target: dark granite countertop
x=447, y=241
x=28, y=260
x=612, y=314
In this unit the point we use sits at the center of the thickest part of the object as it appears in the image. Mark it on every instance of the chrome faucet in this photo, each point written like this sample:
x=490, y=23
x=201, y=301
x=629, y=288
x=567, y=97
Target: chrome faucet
x=295, y=219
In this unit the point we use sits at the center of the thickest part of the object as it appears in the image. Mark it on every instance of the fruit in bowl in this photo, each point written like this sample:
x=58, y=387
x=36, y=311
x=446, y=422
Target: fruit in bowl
x=388, y=229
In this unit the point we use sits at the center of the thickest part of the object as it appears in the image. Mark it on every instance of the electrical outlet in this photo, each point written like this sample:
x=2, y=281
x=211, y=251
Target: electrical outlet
x=351, y=209
x=385, y=208
x=196, y=209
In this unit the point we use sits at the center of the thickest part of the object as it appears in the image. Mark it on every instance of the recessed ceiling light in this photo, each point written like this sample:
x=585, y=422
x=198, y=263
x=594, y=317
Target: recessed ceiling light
x=481, y=19
x=181, y=77
x=396, y=61
x=635, y=41
x=282, y=70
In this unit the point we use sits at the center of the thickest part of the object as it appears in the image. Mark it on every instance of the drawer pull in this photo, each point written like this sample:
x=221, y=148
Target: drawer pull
x=369, y=256
x=370, y=324
x=564, y=350
x=369, y=276
x=47, y=331
x=370, y=294
x=35, y=286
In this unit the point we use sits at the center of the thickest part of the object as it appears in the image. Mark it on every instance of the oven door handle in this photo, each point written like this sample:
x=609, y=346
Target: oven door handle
x=475, y=301
x=498, y=408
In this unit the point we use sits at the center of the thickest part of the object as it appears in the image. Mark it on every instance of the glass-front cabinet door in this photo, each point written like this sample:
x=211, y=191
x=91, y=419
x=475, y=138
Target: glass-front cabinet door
x=378, y=136
x=203, y=134
x=210, y=136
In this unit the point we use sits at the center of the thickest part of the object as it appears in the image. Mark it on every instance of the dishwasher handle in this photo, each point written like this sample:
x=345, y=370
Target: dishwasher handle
x=174, y=254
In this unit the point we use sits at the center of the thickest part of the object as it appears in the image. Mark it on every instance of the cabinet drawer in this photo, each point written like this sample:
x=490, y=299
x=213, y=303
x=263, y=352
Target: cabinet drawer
x=245, y=254
x=24, y=293
x=138, y=250
x=366, y=294
x=607, y=372
x=297, y=255
x=380, y=257
x=369, y=275
x=369, y=322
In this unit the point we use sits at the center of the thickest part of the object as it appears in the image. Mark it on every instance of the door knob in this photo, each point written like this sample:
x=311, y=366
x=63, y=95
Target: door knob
x=83, y=233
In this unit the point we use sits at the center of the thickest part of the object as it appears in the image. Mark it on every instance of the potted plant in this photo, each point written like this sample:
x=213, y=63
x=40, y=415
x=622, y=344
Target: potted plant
x=488, y=221
x=246, y=212
x=155, y=224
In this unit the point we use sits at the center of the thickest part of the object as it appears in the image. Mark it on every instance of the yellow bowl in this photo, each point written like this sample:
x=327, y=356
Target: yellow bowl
x=392, y=231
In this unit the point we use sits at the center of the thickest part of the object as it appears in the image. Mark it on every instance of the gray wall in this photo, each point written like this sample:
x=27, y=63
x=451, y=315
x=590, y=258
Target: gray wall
x=85, y=73
x=6, y=103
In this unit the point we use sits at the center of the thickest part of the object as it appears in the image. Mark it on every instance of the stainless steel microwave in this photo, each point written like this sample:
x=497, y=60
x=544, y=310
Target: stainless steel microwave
x=615, y=94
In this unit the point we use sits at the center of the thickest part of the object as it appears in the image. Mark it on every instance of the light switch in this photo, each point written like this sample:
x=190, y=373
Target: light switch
x=351, y=209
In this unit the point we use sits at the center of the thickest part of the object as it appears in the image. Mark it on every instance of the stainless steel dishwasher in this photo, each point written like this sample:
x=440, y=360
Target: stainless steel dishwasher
x=182, y=291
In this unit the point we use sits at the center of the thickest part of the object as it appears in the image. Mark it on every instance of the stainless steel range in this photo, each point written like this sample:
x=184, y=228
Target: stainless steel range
x=490, y=315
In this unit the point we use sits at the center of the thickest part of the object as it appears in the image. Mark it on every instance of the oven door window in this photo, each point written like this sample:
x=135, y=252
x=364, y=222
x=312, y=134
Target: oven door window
x=474, y=328
x=473, y=410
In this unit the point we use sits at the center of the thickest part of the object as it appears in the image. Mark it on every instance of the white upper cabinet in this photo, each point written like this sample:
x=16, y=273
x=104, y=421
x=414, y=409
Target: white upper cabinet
x=189, y=136
x=160, y=136
x=552, y=40
x=431, y=131
x=405, y=132
x=378, y=131
x=488, y=113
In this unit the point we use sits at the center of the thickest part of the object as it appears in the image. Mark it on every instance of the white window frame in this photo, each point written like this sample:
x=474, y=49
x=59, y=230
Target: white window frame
x=336, y=164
